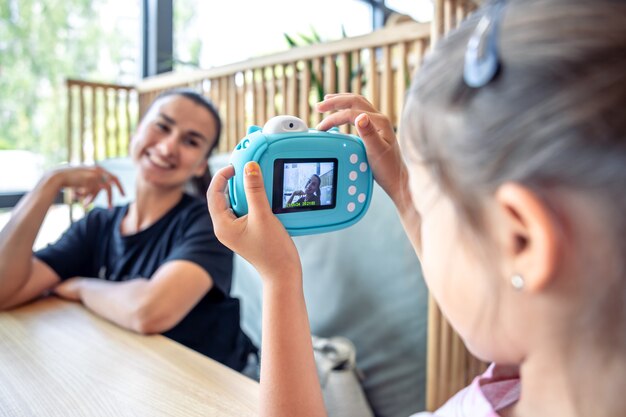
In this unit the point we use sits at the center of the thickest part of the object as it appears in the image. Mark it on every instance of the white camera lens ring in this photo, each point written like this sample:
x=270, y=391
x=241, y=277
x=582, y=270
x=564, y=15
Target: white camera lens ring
x=284, y=124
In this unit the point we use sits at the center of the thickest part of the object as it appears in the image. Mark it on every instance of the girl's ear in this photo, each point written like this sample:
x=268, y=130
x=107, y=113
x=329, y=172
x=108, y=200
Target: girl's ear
x=532, y=235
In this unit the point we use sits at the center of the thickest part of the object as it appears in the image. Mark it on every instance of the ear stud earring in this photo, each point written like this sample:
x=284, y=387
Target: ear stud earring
x=517, y=281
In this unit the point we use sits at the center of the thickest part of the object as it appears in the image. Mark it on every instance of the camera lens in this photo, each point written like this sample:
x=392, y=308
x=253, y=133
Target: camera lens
x=291, y=125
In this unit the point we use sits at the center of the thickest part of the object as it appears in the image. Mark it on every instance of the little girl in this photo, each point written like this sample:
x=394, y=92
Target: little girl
x=510, y=182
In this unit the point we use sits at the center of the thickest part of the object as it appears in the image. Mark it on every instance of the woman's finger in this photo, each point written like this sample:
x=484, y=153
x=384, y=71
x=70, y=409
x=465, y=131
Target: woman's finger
x=117, y=183
x=109, y=190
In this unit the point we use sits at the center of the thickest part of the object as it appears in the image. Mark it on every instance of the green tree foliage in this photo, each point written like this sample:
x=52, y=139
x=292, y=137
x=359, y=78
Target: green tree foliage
x=43, y=42
x=187, y=45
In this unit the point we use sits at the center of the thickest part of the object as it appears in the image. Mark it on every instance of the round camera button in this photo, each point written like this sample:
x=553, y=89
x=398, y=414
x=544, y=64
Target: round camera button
x=352, y=190
x=363, y=167
x=353, y=175
x=361, y=198
x=351, y=207
x=354, y=158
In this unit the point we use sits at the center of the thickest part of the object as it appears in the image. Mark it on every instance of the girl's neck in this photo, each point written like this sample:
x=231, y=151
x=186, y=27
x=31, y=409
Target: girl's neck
x=582, y=377
x=149, y=206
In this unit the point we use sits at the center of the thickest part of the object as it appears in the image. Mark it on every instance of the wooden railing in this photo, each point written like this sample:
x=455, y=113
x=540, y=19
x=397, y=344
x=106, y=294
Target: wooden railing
x=100, y=120
x=450, y=366
x=379, y=66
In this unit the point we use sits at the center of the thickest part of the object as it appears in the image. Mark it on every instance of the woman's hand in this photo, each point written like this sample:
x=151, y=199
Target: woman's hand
x=87, y=182
x=69, y=289
x=259, y=237
x=381, y=145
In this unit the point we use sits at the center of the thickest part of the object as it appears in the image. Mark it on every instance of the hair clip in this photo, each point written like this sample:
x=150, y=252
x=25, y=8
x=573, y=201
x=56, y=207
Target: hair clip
x=481, y=57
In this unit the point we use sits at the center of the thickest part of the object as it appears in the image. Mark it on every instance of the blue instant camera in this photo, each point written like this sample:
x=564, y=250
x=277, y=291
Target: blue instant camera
x=315, y=181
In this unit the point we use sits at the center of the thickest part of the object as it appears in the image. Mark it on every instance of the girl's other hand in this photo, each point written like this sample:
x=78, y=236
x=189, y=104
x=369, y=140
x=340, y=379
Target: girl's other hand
x=259, y=236
x=378, y=135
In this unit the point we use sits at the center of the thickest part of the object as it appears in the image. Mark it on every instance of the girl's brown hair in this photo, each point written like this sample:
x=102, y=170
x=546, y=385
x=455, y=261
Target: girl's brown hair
x=553, y=117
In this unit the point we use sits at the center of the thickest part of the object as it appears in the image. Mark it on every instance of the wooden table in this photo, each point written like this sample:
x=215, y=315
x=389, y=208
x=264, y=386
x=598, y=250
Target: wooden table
x=58, y=359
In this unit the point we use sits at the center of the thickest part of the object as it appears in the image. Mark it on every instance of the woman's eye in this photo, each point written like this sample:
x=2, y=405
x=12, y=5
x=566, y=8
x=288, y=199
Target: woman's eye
x=163, y=127
x=192, y=142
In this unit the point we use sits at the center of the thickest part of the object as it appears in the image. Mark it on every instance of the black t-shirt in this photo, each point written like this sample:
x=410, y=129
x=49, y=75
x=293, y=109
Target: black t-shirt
x=94, y=247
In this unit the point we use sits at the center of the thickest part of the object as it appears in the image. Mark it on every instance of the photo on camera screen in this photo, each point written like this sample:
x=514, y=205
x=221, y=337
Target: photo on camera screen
x=304, y=184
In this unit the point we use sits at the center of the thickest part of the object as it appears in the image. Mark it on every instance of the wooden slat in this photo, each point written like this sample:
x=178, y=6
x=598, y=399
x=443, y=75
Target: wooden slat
x=449, y=16
x=344, y=72
x=94, y=127
x=460, y=11
x=116, y=114
x=241, y=110
x=356, y=74
x=305, y=93
x=317, y=70
x=271, y=82
x=344, y=81
x=128, y=123
x=250, y=97
x=372, y=77
x=432, y=355
x=444, y=360
x=420, y=50
x=70, y=130
x=457, y=365
x=81, y=136
x=356, y=79
x=401, y=81
x=231, y=107
x=262, y=99
x=292, y=97
x=437, y=23
x=107, y=147
x=330, y=75
x=386, y=93
x=282, y=89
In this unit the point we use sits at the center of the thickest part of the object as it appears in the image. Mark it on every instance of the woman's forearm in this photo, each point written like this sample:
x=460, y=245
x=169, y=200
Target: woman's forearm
x=119, y=302
x=18, y=236
x=289, y=382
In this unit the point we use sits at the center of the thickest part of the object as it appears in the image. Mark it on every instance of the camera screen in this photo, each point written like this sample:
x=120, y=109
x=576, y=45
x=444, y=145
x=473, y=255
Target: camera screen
x=304, y=184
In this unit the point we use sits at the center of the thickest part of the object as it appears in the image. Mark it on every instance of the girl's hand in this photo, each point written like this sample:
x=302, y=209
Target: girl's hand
x=87, y=182
x=259, y=236
x=381, y=145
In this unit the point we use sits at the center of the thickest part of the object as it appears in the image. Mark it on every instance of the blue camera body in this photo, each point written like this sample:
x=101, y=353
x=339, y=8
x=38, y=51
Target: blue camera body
x=315, y=181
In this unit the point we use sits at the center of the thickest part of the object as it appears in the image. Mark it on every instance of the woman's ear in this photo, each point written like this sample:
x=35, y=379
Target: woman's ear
x=532, y=235
x=201, y=169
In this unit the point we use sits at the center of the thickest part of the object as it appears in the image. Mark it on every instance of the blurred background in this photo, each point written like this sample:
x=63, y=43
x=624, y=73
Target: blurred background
x=43, y=43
